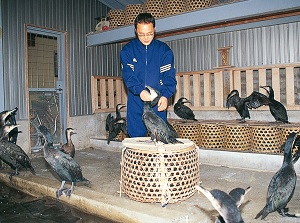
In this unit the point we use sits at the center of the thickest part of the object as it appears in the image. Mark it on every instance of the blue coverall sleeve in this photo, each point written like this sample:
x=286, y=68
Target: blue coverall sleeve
x=168, y=73
x=132, y=82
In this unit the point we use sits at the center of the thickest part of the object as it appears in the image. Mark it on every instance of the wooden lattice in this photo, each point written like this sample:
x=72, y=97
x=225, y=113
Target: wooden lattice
x=155, y=7
x=189, y=130
x=165, y=173
x=238, y=137
x=131, y=12
x=266, y=138
x=198, y=4
x=116, y=18
x=174, y=7
x=211, y=135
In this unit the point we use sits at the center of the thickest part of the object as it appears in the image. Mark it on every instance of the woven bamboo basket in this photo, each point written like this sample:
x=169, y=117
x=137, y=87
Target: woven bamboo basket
x=131, y=12
x=238, y=137
x=116, y=18
x=174, y=7
x=211, y=135
x=266, y=138
x=159, y=173
x=189, y=130
x=155, y=7
x=286, y=130
x=198, y=4
x=173, y=123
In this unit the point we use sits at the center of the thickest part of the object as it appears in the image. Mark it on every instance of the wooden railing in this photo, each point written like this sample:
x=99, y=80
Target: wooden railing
x=208, y=89
x=107, y=92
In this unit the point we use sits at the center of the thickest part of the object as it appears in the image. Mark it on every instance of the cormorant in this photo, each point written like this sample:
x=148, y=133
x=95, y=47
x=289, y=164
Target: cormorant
x=223, y=203
x=10, y=118
x=12, y=154
x=157, y=127
x=238, y=195
x=282, y=185
x=64, y=165
x=276, y=108
x=68, y=147
x=183, y=111
x=115, y=125
x=241, y=105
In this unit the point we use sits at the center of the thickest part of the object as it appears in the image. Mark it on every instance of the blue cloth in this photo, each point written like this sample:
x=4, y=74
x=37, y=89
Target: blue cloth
x=151, y=65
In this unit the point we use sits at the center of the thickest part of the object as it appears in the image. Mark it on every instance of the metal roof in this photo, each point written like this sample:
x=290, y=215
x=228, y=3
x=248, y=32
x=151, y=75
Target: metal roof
x=120, y=4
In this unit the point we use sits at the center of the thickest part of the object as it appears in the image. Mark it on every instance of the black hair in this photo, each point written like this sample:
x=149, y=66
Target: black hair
x=144, y=18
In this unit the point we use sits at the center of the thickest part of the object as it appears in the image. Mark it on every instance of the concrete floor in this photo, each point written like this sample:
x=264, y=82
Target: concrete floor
x=101, y=165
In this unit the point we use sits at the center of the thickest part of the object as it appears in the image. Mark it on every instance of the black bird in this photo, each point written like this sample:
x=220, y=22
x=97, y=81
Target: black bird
x=183, y=111
x=64, y=165
x=173, y=132
x=12, y=154
x=282, y=185
x=109, y=119
x=115, y=125
x=68, y=147
x=157, y=127
x=276, y=108
x=241, y=105
x=223, y=203
x=238, y=195
x=10, y=118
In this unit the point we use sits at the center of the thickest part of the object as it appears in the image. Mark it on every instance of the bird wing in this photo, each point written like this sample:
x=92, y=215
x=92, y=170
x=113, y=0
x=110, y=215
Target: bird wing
x=256, y=100
x=15, y=156
x=109, y=119
x=232, y=100
x=65, y=166
x=278, y=111
x=173, y=132
x=281, y=188
x=156, y=126
x=185, y=112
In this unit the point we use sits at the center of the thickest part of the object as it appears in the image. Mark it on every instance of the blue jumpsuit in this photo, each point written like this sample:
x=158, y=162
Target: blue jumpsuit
x=151, y=65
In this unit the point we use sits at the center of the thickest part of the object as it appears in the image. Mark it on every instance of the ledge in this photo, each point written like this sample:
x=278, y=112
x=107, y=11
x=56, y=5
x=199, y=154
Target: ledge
x=208, y=17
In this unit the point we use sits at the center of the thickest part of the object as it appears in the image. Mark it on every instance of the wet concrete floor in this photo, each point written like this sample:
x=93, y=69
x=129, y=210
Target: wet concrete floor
x=101, y=166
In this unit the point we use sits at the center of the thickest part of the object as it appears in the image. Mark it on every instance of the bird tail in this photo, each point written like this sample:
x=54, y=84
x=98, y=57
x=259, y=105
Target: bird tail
x=32, y=170
x=174, y=141
x=263, y=213
x=87, y=183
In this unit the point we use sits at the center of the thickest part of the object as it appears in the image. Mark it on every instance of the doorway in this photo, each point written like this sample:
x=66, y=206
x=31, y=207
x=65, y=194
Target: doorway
x=46, y=83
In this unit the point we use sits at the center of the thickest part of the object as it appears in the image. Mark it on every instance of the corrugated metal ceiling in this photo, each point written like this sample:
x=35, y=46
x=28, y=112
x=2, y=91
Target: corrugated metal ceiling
x=120, y=4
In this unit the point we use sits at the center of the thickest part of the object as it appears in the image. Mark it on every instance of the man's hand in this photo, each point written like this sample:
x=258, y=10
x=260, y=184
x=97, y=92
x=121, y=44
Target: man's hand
x=145, y=95
x=162, y=103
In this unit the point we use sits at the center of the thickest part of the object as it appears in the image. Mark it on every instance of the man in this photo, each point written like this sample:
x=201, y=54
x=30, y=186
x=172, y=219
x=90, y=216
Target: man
x=146, y=61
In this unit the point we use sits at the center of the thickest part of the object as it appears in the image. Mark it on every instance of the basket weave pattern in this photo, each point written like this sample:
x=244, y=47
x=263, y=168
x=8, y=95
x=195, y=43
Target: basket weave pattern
x=131, y=12
x=149, y=176
x=155, y=7
x=116, y=18
x=174, y=7
x=260, y=137
x=212, y=135
x=238, y=137
x=189, y=130
x=266, y=139
x=198, y=4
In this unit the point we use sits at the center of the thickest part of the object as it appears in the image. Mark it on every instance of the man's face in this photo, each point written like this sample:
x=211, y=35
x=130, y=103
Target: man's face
x=145, y=32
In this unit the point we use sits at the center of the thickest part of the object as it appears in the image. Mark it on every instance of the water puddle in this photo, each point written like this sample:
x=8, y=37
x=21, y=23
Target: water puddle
x=16, y=206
